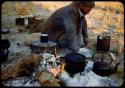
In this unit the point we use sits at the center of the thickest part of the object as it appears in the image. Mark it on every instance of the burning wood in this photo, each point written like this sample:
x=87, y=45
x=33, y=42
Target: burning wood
x=54, y=71
x=47, y=79
x=57, y=70
x=22, y=67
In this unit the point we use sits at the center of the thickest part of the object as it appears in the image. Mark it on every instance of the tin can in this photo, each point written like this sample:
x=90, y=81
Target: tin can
x=103, y=43
x=44, y=38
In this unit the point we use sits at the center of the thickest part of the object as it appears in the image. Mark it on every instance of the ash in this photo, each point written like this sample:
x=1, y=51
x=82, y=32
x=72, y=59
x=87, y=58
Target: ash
x=22, y=81
x=49, y=61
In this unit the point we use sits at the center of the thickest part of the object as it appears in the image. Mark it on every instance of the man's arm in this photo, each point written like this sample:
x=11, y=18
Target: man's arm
x=84, y=32
x=71, y=33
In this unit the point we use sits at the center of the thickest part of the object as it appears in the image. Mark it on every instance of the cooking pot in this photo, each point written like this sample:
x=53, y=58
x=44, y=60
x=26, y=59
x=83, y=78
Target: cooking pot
x=74, y=63
x=103, y=68
x=5, y=44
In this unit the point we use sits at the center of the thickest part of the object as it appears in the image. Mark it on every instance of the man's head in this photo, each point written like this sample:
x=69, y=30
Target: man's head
x=85, y=6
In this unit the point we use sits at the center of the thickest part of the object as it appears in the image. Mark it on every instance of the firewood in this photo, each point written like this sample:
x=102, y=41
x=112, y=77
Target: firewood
x=22, y=67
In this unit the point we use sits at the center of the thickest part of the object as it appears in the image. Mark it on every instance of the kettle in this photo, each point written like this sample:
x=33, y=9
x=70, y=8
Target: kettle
x=103, y=68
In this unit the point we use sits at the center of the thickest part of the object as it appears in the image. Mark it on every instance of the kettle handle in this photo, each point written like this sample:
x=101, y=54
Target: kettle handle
x=113, y=58
x=93, y=57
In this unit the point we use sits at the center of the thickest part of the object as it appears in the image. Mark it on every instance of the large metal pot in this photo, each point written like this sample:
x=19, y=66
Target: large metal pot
x=74, y=63
x=103, y=68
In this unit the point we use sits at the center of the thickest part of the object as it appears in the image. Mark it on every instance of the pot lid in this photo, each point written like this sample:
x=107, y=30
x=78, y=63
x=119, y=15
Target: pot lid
x=75, y=58
x=46, y=44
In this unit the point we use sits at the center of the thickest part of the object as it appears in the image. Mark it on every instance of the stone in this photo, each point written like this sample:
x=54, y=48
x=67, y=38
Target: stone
x=47, y=79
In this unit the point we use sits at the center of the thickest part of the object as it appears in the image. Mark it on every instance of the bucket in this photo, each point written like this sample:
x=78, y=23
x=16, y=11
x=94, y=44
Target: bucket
x=103, y=43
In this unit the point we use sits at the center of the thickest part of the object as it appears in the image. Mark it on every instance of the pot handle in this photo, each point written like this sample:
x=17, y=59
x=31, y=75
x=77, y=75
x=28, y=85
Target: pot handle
x=113, y=58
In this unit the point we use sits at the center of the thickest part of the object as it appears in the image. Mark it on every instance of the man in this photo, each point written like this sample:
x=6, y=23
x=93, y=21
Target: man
x=68, y=27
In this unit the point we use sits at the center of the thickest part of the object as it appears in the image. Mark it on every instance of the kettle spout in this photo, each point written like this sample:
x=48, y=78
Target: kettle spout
x=117, y=65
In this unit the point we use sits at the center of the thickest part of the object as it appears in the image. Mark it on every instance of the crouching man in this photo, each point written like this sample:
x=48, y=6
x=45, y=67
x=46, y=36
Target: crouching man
x=68, y=27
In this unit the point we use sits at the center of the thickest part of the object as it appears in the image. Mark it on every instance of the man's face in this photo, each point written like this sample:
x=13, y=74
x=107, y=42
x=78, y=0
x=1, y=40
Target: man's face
x=84, y=10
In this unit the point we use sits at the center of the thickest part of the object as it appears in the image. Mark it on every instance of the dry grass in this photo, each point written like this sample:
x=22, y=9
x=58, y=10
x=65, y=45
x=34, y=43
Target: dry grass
x=52, y=6
x=110, y=15
x=116, y=7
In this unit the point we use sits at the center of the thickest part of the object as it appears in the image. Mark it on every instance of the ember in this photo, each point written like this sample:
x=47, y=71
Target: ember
x=54, y=71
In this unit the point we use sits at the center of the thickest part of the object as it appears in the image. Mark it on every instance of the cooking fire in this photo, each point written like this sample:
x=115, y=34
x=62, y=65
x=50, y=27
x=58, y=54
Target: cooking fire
x=51, y=65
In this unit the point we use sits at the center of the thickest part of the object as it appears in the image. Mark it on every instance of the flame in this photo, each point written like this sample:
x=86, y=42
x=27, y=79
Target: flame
x=62, y=67
x=56, y=70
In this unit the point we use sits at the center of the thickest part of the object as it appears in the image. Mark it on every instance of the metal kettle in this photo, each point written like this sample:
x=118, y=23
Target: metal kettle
x=103, y=68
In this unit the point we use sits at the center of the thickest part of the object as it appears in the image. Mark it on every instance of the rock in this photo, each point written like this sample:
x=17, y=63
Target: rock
x=47, y=79
x=5, y=31
x=22, y=67
x=31, y=38
x=86, y=52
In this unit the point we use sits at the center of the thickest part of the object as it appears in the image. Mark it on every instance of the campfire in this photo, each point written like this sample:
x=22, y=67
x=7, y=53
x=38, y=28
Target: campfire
x=49, y=70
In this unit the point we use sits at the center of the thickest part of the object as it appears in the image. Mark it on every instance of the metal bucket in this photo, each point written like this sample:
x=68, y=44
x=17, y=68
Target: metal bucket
x=103, y=43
